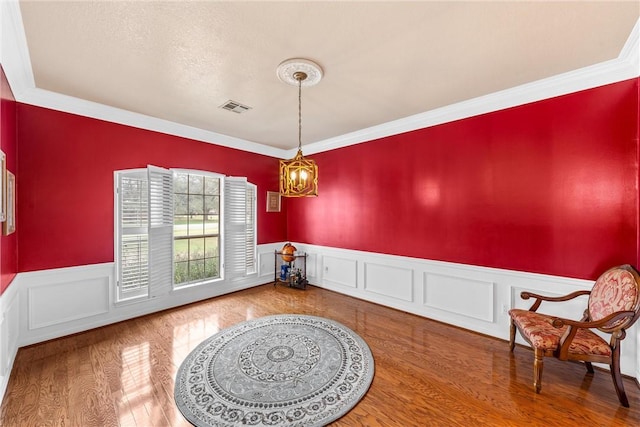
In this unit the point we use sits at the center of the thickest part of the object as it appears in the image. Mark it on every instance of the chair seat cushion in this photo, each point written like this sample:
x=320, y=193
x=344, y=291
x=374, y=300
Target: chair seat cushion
x=540, y=332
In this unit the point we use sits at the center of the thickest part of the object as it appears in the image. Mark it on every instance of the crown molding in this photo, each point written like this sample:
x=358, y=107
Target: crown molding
x=625, y=66
x=14, y=53
x=15, y=60
x=68, y=104
x=16, y=63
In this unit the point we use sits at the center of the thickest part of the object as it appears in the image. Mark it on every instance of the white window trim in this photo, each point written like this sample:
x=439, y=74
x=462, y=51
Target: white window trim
x=164, y=290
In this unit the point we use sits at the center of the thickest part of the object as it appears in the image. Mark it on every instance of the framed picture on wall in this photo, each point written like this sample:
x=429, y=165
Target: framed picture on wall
x=3, y=190
x=273, y=201
x=9, y=226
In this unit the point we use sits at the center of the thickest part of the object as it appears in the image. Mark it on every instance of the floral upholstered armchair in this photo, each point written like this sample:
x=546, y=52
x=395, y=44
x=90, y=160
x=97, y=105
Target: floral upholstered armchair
x=613, y=307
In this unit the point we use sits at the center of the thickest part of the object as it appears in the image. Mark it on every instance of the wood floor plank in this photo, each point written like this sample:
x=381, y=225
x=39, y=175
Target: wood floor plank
x=26, y=402
x=89, y=400
x=54, y=388
x=427, y=373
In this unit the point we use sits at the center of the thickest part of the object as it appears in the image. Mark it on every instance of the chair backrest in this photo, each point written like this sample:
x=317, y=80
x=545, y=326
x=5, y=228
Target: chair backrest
x=617, y=289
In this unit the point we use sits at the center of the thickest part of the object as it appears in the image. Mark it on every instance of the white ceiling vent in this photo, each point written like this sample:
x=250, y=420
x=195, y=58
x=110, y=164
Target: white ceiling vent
x=234, y=106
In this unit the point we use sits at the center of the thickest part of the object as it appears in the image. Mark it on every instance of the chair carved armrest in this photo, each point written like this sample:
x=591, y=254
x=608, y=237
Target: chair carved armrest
x=539, y=298
x=574, y=326
x=559, y=322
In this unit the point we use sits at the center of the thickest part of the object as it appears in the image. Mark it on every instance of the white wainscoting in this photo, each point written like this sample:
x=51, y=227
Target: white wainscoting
x=8, y=335
x=378, y=276
x=341, y=272
x=62, y=301
x=478, y=302
x=41, y=305
x=75, y=300
x=471, y=297
x=47, y=304
x=638, y=356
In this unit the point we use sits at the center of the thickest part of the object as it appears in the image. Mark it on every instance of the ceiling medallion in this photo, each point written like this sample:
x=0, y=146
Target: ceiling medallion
x=288, y=68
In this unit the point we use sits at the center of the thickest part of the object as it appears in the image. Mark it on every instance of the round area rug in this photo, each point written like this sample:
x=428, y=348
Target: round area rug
x=283, y=370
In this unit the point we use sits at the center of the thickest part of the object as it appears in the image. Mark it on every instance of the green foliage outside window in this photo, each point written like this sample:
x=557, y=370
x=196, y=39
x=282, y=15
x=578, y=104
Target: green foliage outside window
x=196, y=228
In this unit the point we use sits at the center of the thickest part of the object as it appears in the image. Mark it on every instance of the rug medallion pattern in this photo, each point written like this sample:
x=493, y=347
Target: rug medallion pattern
x=283, y=370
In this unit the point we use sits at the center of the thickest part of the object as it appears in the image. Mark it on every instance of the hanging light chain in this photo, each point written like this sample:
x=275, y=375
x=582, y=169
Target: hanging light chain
x=300, y=76
x=300, y=114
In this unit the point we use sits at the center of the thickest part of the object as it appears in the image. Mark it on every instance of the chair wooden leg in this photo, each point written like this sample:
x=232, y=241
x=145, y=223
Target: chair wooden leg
x=512, y=336
x=537, y=369
x=589, y=367
x=617, y=378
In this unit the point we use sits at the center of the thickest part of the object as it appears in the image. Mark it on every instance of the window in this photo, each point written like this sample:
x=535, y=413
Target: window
x=196, y=228
x=173, y=227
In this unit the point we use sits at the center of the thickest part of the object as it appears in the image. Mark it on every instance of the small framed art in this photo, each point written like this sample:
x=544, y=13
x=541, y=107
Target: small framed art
x=3, y=190
x=273, y=201
x=9, y=225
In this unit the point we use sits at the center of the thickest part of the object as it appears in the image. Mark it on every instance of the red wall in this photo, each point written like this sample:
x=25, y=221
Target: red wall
x=8, y=244
x=65, y=203
x=548, y=187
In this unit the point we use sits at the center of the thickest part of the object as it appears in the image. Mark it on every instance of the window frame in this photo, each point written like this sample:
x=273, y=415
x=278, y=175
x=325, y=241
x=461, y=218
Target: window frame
x=221, y=177
x=155, y=288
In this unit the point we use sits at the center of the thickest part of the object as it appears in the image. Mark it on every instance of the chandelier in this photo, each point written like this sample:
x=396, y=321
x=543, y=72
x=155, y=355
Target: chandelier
x=299, y=176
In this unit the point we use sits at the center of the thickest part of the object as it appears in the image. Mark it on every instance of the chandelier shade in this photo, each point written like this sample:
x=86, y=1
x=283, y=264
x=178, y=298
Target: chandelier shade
x=299, y=176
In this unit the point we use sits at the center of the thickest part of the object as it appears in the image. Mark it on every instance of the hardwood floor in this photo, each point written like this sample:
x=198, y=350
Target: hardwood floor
x=427, y=373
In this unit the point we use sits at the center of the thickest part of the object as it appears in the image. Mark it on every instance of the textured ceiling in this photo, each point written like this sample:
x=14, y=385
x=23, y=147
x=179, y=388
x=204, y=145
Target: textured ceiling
x=383, y=61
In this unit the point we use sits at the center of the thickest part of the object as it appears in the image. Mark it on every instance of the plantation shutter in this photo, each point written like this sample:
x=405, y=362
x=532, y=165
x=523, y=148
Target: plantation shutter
x=235, y=239
x=160, y=230
x=250, y=230
x=132, y=246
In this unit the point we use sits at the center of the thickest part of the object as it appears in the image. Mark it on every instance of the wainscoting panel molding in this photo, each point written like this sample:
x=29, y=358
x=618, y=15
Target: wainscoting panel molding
x=266, y=265
x=390, y=281
x=74, y=301
x=473, y=298
x=9, y=328
x=63, y=301
x=638, y=354
x=339, y=271
x=312, y=265
x=4, y=346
